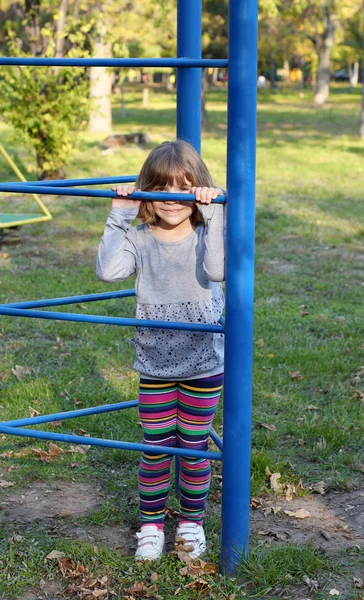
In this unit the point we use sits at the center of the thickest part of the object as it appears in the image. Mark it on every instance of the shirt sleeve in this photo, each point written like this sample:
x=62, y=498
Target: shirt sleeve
x=214, y=256
x=117, y=255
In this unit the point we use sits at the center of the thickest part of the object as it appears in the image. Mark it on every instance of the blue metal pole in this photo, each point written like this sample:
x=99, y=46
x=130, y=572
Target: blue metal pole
x=103, y=320
x=189, y=31
x=60, y=191
x=123, y=62
x=71, y=414
x=71, y=300
x=85, y=181
x=239, y=282
x=78, y=439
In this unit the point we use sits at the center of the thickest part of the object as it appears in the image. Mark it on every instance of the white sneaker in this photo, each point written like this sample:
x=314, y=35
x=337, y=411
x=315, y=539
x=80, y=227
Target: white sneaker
x=150, y=543
x=194, y=538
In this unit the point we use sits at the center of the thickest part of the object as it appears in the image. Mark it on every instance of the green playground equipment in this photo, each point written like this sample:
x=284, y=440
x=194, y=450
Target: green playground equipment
x=8, y=220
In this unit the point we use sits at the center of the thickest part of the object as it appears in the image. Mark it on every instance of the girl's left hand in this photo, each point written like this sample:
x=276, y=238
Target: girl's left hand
x=206, y=194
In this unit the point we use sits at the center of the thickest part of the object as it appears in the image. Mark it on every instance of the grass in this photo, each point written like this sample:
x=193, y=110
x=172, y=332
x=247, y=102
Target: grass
x=307, y=320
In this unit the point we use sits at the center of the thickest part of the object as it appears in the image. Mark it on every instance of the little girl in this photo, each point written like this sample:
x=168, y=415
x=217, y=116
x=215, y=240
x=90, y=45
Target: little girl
x=178, y=257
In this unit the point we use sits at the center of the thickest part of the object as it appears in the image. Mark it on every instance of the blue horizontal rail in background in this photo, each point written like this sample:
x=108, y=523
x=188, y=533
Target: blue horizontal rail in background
x=54, y=191
x=98, y=319
x=75, y=182
x=71, y=299
x=114, y=62
x=78, y=439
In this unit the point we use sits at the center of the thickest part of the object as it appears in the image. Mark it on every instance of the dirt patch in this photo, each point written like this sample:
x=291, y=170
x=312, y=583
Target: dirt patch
x=114, y=537
x=42, y=501
x=335, y=521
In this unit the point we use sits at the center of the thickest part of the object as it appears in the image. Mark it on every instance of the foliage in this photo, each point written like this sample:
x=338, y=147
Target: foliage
x=46, y=106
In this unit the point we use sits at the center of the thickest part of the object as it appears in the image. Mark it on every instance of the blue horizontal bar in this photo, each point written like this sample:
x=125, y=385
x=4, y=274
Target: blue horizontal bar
x=78, y=439
x=59, y=316
x=72, y=414
x=114, y=62
x=215, y=438
x=71, y=300
x=54, y=191
x=75, y=182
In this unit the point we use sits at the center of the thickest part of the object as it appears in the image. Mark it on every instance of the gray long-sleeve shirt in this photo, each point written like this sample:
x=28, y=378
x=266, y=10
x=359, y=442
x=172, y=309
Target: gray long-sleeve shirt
x=175, y=281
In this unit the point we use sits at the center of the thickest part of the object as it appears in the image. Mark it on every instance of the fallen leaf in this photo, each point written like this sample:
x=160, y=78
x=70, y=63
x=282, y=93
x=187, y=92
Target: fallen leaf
x=20, y=372
x=320, y=487
x=358, y=582
x=271, y=509
x=54, y=450
x=54, y=554
x=301, y=513
x=138, y=588
x=260, y=342
x=7, y=454
x=6, y=255
x=334, y=592
x=296, y=375
x=42, y=454
x=23, y=452
x=268, y=426
x=312, y=407
x=290, y=491
x=59, y=344
x=274, y=483
x=6, y=484
x=33, y=412
x=16, y=538
x=256, y=503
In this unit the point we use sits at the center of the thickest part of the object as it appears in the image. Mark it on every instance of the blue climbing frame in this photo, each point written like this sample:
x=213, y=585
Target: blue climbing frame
x=238, y=325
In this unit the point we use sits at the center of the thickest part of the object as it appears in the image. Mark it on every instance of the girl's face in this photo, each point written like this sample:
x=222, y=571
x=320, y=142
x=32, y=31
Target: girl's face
x=173, y=213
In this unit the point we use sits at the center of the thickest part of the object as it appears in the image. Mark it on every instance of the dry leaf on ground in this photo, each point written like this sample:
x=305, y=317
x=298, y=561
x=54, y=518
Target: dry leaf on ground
x=301, y=513
x=6, y=484
x=268, y=426
x=296, y=375
x=33, y=412
x=20, y=372
x=54, y=554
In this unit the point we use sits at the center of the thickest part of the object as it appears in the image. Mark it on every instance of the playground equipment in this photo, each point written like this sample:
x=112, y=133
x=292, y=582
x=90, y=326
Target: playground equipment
x=238, y=325
x=15, y=220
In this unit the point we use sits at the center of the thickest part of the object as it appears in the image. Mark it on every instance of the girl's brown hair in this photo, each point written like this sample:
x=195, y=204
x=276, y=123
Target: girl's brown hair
x=171, y=163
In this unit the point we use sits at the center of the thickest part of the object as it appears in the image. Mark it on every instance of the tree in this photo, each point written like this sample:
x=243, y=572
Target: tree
x=319, y=21
x=45, y=106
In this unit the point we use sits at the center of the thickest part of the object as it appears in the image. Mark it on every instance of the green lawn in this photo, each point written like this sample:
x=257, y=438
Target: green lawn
x=308, y=345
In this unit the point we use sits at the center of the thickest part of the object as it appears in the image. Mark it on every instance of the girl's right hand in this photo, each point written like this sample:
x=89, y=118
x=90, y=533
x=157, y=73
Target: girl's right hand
x=124, y=190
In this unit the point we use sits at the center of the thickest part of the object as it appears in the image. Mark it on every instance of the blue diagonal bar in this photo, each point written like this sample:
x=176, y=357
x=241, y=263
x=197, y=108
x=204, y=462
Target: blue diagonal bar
x=114, y=62
x=76, y=182
x=71, y=299
x=99, y=319
x=215, y=438
x=71, y=414
x=55, y=191
x=78, y=439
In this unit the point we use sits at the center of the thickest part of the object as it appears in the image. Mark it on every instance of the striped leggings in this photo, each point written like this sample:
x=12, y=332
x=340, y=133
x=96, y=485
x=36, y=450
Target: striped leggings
x=176, y=414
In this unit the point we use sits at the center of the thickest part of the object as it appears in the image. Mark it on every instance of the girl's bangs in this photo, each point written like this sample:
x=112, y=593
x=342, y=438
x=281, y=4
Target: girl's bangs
x=169, y=173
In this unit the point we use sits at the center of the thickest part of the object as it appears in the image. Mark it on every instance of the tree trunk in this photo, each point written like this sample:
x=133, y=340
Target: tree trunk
x=354, y=73
x=32, y=27
x=60, y=30
x=362, y=113
x=204, y=88
x=323, y=47
x=272, y=72
x=286, y=71
x=100, y=120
